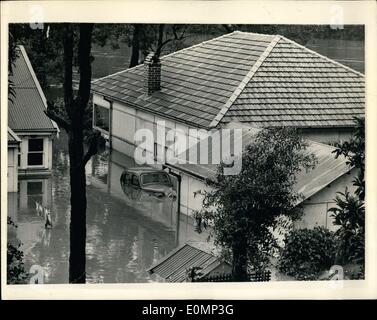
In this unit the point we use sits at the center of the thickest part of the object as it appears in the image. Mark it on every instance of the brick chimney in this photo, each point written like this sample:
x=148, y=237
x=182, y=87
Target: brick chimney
x=152, y=74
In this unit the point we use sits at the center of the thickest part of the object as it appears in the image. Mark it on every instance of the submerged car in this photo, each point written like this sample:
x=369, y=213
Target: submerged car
x=151, y=181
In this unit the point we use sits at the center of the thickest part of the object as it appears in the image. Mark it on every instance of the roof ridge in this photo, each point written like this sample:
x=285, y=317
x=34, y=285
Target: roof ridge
x=257, y=33
x=245, y=81
x=324, y=57
x=167, y=55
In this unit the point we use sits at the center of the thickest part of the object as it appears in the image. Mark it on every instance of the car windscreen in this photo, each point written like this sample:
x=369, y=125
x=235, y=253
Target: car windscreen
x=155, y=178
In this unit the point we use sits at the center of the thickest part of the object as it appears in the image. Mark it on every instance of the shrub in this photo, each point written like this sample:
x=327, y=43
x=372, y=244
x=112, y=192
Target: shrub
x=349, y=215
x=307, y=252
x=16, y=273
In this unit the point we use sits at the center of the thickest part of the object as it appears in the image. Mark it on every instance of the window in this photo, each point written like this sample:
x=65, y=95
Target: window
x=34, y=191
x=101, y=117
x=155, y=178
x=35, y=152
x=135, y=181
x=34, y=188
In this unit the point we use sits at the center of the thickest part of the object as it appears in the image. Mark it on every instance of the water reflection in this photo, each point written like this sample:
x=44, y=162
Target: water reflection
x=124, y=238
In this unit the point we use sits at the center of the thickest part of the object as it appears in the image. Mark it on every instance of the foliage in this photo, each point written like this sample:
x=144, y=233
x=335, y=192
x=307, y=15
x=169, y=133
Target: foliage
x=13, y=54
x=45, y=49
x=307, y=252
x=349, y=214
x=354, y=151
x=242, y=210
x=193, y=273
x=16, y=273
x=304, y=33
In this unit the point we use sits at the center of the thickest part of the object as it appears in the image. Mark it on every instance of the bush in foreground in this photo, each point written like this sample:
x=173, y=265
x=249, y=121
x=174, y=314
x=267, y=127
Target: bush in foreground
x=307, y=253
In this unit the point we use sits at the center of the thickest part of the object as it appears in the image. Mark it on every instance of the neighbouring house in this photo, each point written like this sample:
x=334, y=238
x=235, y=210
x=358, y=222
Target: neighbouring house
x=27, y=120
x=176, y=265
x=255, y=80
x=13, y=150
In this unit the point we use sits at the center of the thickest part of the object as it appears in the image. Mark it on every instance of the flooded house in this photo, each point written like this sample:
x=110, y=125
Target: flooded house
x=26, y=118
x=30, y=138
x=254, y=80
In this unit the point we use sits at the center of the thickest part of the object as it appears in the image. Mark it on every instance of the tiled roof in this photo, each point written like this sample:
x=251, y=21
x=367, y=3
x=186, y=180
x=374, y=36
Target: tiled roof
x=26, y=112
x=175, y=265
x=261, y=80
x=308, y=183
x=295, y=86
x=196, y=81
x=12, y=137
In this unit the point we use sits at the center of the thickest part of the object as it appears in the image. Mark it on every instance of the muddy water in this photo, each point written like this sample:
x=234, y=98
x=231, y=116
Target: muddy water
x=124, y=237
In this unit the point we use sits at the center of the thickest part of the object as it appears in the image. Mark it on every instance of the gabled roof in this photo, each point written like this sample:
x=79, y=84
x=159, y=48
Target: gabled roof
x=174, y=266
x=13, y=139
x=26, y=111
x=260, y=80
x=309, y=182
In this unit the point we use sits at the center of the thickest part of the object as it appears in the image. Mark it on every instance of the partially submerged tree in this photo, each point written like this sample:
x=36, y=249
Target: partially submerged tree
x=243, y=210
x=73, y=118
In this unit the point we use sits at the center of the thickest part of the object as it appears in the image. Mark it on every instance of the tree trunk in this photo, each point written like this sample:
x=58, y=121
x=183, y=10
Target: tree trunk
x=135, y=46
x=77, y=258
x=74, y=123
x=239, y=263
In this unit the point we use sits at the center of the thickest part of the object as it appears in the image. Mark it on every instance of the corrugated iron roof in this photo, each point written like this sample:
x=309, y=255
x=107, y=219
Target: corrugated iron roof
x=175, y=265
x=260, y=80
x=26, y=111
x=309, y=182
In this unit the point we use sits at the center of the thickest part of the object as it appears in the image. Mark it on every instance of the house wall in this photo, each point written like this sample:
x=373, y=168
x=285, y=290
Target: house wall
x=12, y=173
x=24, y=168
x=315, y=208
x=126, y=121
x=191, y=198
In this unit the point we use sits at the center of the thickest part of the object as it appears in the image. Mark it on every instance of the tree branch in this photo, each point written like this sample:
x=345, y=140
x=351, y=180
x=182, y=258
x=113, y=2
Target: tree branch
x=51, y=112
x=94, y=140
x=59, y=121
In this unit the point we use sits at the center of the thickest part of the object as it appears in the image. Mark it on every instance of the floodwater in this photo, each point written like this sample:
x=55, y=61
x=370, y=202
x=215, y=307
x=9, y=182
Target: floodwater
x=124, y=238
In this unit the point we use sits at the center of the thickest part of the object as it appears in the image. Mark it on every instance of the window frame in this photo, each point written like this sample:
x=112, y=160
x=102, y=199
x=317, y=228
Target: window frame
x=42, y=152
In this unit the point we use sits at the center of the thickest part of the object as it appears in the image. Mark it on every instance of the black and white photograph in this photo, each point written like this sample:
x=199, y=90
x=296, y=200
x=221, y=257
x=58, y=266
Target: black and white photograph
x=150, y=153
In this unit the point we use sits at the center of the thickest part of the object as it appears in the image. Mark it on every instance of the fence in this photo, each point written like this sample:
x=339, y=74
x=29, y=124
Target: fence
x=262, y=276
